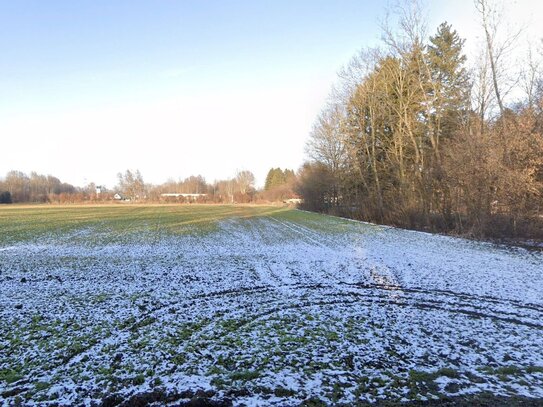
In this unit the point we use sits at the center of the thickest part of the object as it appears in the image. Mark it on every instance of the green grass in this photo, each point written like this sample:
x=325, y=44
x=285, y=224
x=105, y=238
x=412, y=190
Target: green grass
x=234, y=349
x=245, y=375
x=115, y=223
x=10, y=375
x=20, y=223
x=534, y=369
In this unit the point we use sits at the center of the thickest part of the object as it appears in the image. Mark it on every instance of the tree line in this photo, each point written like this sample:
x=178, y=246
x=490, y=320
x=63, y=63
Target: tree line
x=416, y=137
x=18, y=187
x=280, y=185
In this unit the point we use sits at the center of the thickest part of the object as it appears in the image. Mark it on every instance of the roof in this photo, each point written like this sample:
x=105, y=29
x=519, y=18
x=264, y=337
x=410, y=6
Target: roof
x=184, y=195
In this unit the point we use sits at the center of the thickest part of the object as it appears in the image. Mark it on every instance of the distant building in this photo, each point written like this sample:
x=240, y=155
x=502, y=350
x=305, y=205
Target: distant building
x=188, y=197
x=119, y=197
x=293, y=201
x=99, y=189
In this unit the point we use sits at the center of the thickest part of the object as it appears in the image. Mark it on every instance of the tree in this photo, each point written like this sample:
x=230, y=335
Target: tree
x=326, y=142
x=5, y=197
x=230, y=188
x=450, y=82
x=245, y=181
x=314, y=185
x=496, y=49
x=17, y=183
x=275, y=178
x=193, y=185
x=531, y=78
x=34, y=188
x=131, y=184
x=279, y=185
x=410, y=149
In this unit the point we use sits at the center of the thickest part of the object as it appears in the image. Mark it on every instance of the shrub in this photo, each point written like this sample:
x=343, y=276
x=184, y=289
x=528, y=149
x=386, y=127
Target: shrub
x=5, y=197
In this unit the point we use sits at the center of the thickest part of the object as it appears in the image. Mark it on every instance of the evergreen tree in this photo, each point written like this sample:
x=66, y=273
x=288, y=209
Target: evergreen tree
x=277, y=177
x=5, y=197
x=269, y=177
x=450, y=79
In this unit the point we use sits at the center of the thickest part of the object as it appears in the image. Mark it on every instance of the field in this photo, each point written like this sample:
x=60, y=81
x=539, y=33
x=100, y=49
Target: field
x=257, y=306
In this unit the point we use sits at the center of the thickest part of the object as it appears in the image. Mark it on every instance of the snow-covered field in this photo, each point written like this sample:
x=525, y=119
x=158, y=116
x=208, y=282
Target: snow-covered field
x=260, y=307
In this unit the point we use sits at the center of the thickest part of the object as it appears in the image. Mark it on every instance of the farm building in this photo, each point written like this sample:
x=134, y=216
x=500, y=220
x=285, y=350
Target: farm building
x=188, y=197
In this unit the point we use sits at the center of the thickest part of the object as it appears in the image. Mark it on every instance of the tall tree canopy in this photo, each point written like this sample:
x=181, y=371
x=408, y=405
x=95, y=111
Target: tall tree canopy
x=409, y=143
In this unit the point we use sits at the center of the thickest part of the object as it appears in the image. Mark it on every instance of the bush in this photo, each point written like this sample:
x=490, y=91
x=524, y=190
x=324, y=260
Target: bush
x=5, y=197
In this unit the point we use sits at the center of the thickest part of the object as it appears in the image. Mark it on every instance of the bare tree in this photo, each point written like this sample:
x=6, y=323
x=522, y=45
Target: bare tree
x=230, y=187
x=531, y=76
x=496, y=48
x=245, y=181
x=482, y=94
x=327, y=141
x=411, y=26
x=131, y=184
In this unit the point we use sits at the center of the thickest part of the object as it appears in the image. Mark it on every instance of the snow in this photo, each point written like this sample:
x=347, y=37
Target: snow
x=279, y=309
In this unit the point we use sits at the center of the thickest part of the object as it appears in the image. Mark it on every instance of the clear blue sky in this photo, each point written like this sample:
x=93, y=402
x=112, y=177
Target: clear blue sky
x=84, y=52
x=174, y=88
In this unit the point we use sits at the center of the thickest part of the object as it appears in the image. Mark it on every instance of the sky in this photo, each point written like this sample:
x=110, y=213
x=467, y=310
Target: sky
x=89, y=89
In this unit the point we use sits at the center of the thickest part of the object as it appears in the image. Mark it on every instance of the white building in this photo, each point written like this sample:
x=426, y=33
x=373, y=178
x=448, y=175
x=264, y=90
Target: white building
x=188, y=197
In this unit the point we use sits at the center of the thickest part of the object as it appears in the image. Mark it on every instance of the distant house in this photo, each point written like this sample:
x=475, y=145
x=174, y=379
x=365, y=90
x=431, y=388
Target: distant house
x=99, y=189
x=188, y=197
x=120, y=197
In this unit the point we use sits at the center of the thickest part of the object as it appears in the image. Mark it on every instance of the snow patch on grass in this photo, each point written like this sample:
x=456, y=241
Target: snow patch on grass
x=270, y=309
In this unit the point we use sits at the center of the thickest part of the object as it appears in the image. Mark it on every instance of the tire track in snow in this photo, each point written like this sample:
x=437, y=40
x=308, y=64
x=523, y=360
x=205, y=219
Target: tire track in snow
x=251, y=300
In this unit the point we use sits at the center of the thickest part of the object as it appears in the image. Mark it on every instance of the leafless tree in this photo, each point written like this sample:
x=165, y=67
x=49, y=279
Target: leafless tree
x=131, y=184
x=531, y=76
x=245, y=181
x=497, y=47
